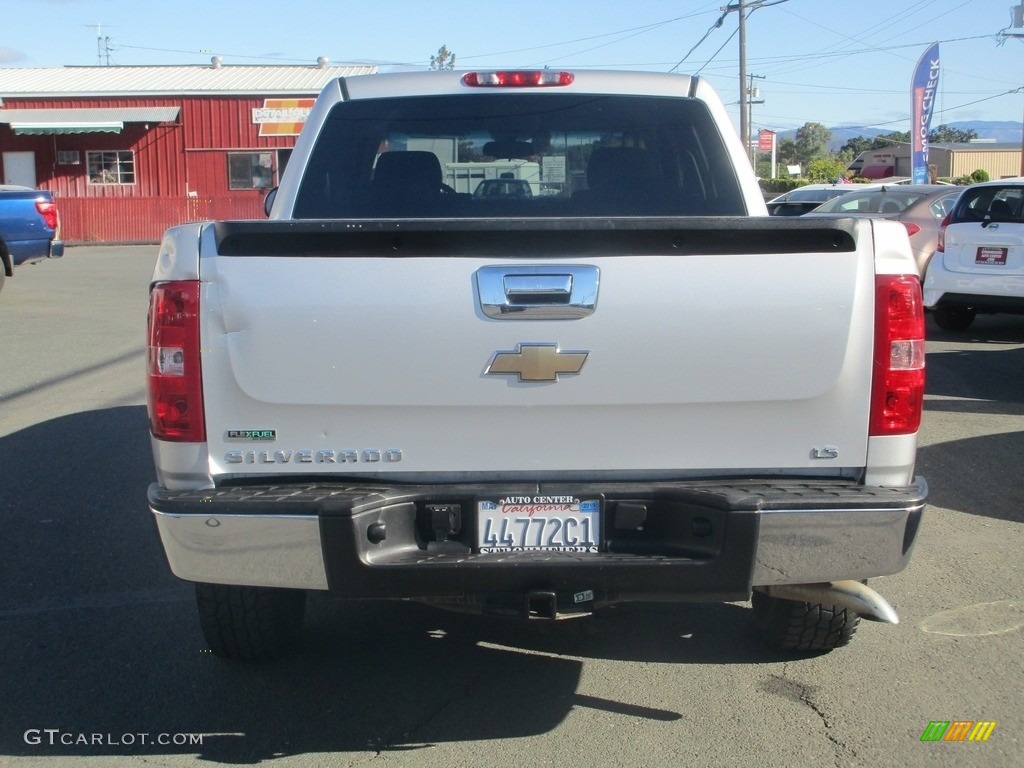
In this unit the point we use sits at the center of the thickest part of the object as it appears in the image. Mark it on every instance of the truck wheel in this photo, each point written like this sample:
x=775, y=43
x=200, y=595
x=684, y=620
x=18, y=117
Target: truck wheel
x=789, y=625
x=250, y=623
x=954, y=317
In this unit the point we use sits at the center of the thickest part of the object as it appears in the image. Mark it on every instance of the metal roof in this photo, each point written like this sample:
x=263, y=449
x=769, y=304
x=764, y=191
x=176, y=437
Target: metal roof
x=979, y=146
x=221, y=79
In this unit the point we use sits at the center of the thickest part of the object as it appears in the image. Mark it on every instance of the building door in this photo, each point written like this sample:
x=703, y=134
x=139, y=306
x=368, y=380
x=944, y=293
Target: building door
x=20, y=168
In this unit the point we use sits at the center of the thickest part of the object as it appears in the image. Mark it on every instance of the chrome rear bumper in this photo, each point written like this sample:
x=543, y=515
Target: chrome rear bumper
x=366, y=542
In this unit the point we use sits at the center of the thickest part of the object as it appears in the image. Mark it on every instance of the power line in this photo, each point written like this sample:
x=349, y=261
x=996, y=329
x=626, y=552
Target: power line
x=233, y=55
x=722, y=46
x=905, y=120
x=712, y=28
x=767, y=61
x=633, y=32
x=628, y=32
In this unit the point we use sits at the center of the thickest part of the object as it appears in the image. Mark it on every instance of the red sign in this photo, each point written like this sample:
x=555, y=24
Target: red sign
x=765, y=141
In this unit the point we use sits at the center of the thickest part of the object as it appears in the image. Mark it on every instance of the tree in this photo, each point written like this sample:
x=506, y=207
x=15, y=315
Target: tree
x=946, y=134
x=785, y=151
x=884, y=140
x=444, y=59
x=824, y=169
x=855, y=146
x=811, y=142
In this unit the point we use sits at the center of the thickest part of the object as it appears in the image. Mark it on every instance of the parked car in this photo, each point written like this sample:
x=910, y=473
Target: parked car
x=805, y=199
x=918, y=207
x=503, y=188
x=29, y=228
x=979, y=259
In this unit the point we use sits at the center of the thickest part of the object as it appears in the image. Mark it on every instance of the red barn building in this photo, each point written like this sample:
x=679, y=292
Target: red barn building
x=129, y=151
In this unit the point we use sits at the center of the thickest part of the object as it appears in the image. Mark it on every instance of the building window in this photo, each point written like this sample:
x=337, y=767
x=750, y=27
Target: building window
x=111, y=167
x=250, y=170
x=68, y=157
x=283, y=156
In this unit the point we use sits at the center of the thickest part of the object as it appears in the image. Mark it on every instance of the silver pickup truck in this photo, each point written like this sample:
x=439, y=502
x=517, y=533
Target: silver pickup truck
x=628, y=384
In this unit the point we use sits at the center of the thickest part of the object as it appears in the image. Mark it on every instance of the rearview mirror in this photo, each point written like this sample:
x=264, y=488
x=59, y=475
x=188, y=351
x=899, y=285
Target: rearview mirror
x=268, y=201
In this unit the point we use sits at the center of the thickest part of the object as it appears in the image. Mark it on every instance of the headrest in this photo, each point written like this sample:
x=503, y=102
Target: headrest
x=408, y=168
x=611, y=168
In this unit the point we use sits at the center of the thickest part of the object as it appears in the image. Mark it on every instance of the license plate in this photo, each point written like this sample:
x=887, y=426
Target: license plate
x=990, y=256
x=538, y=523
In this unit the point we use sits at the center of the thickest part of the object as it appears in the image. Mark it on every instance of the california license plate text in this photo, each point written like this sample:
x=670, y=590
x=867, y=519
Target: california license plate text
x=517, y=524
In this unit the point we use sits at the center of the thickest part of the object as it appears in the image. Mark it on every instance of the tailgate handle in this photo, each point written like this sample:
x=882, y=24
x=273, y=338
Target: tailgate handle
x=538, y=289
x=538, y=292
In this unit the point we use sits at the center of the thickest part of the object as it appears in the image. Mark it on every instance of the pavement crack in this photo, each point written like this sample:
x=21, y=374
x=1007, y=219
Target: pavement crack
x=794, y=690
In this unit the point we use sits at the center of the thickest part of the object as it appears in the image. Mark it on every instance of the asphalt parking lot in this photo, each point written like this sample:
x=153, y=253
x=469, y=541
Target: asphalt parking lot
x=104, y=659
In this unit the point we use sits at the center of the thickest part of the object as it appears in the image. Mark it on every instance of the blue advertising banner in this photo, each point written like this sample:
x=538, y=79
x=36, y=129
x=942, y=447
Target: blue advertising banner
x=923, y=91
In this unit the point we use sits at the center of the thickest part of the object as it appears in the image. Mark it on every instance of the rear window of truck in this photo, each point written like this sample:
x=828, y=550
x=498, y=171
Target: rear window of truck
x=516, y=155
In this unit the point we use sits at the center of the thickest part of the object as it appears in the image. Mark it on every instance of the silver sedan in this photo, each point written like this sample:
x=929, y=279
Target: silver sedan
x=919, y=207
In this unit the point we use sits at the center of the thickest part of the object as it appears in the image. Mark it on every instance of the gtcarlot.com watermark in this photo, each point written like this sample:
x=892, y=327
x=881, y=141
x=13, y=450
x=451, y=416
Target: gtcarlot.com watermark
x=52, y=737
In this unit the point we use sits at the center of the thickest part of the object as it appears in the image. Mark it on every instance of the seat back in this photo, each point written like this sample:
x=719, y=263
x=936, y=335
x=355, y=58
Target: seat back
x=407, y=175
x=619, y=171
x=622, y=181
x=1000, y=210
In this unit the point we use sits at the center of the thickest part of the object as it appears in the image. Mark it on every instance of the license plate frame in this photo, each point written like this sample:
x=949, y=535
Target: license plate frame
x=992, y=255
x=540, y=523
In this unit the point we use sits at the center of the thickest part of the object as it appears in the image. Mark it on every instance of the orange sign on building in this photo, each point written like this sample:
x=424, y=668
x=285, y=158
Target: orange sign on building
x=282, y=117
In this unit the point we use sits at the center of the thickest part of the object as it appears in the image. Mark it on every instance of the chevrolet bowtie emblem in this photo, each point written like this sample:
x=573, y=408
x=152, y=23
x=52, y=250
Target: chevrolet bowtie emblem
x=536, y=362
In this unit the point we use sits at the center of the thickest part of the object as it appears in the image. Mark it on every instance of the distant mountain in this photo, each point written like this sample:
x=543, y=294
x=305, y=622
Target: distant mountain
x=1008, y=131
x=1000, y=131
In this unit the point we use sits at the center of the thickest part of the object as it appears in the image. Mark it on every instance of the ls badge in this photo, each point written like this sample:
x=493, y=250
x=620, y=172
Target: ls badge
x=536, y=362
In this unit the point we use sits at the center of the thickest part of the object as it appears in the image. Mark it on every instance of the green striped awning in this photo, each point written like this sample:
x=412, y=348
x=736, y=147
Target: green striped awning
x=83, y=120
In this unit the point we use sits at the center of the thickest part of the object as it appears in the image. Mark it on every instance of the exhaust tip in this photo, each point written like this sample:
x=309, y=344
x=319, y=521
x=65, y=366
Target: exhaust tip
x=850, y=594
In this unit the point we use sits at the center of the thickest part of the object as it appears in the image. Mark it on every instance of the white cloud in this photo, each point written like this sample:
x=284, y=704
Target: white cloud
x=10, y=56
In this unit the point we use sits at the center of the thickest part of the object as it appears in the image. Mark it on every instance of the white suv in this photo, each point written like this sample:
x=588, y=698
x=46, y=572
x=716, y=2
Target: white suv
x=979, y=261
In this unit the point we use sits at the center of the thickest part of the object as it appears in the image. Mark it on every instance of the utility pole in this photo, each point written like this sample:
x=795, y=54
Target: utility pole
x=102, y=45
x=1016, y=29
x=753, y=97
x=741, y=7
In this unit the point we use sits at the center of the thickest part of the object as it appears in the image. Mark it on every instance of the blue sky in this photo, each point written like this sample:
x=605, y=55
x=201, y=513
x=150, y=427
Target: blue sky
x=828, y=61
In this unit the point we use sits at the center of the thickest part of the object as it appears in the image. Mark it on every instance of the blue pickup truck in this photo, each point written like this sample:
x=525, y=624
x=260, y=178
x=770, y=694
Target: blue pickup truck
x=29, y=228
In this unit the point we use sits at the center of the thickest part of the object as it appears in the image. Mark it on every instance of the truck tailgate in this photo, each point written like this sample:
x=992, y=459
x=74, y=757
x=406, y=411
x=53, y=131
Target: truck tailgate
x=733, y=344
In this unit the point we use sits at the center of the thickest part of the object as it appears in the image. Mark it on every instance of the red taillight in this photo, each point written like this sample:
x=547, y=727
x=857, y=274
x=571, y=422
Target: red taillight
x=911, y=227
x=48, y=210
x=897, y=387
x=174, y=375
x=517, y=78
x=940, y=246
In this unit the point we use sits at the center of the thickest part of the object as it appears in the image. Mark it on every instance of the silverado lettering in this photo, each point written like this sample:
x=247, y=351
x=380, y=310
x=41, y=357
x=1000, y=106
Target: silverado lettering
x=307, y=456
x=534, y=219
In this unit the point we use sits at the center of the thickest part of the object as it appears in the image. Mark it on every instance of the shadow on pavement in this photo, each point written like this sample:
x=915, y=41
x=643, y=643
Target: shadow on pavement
x=104, y=645
x=978, y=377
x=972, y=475
x=986, y=329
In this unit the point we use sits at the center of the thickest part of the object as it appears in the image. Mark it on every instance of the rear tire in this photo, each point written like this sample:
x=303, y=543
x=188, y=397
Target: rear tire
x=954, y=317
x=789, y=625
x=250, y=623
